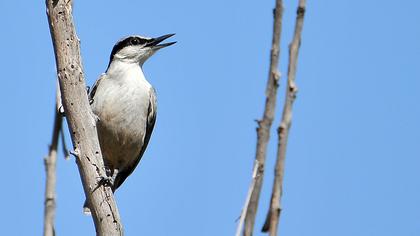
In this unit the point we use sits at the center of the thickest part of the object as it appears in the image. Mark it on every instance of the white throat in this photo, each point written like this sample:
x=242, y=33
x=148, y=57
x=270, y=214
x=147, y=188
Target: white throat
x=121, y=70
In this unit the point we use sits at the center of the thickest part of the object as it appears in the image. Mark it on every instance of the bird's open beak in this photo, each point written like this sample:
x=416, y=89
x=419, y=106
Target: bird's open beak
x=154, y=43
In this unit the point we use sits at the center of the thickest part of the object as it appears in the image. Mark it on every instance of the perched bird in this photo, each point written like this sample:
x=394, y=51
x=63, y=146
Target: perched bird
x=125, y=104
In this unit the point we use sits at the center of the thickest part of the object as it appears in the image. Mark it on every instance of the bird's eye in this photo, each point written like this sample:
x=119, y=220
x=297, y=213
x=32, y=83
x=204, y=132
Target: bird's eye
x=135, y=41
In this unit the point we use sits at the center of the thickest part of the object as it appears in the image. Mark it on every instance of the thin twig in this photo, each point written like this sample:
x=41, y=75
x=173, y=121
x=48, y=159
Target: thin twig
x=80, y=118
x=59, y=107
x=50, y=169
x=248, y=198
x=272, y=220
x=264, y=125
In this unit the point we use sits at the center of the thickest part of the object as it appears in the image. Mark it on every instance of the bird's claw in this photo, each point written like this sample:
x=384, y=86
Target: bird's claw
x=106, y=181
x=109, y=178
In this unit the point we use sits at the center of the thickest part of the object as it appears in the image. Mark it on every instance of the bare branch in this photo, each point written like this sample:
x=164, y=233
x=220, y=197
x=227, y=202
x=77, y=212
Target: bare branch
x=271, y=223
x=264, y=126
x=248, y=198
x=80, y=118
x=59, y=107
x=50, y=169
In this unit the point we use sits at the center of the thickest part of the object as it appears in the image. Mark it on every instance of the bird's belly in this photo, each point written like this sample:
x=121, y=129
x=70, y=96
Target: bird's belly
x=120, y=145
x=122, y=128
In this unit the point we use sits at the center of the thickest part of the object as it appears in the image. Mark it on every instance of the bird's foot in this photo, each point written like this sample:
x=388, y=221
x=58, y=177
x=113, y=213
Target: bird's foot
x=109, y=178
x=88, y=93
x=106, y=181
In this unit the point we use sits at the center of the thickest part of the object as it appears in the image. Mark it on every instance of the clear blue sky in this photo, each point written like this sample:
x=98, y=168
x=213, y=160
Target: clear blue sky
x=353, y=163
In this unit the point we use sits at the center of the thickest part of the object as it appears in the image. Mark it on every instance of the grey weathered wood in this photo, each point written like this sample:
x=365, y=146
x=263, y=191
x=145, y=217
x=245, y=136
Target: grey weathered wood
x=264, y=125
x=272, y=220
x=80, y=119
x=50, y=169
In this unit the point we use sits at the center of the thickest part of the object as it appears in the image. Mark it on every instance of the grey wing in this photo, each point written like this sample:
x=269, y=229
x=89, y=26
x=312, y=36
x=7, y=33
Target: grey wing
x=151, y=118
x=95, y=87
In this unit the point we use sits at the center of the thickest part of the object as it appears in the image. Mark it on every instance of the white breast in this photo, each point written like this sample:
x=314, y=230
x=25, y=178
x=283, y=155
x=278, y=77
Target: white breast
x=121, y=102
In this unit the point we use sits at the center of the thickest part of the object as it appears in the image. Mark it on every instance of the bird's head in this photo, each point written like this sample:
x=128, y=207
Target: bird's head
x=137, y=49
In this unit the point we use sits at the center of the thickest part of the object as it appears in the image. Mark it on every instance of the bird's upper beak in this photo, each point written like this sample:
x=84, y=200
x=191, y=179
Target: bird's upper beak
x=154, y=43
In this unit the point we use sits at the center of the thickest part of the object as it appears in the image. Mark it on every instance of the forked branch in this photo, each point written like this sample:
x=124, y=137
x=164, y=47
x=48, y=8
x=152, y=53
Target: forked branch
x=264, y=125
x=271, y=223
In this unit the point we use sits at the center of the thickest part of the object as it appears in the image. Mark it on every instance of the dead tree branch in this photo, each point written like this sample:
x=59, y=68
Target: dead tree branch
x=80, y=118
x=272, y=220
x=50, y=169
x=248, y=198
x=264, y=125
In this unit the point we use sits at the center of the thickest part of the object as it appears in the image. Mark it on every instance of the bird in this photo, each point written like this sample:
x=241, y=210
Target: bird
x=125, y=105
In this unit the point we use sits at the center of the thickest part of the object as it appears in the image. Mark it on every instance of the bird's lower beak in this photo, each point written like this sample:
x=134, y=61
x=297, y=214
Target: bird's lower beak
x=154, y=43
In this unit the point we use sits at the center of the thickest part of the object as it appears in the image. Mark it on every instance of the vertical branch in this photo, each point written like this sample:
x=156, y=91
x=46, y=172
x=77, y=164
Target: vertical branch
x=80, y=118
x=50, y=169
x=271, y=223
x=264, y=125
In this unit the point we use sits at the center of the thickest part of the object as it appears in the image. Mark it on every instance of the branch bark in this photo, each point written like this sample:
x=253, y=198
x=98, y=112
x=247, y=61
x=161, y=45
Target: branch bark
x=264, y=125
x=272, y=220
x=50, y=169
x=80, y=118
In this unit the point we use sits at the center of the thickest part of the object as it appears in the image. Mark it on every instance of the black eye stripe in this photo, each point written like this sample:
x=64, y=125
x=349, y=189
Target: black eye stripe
x=129, y=41
x=137, y=41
